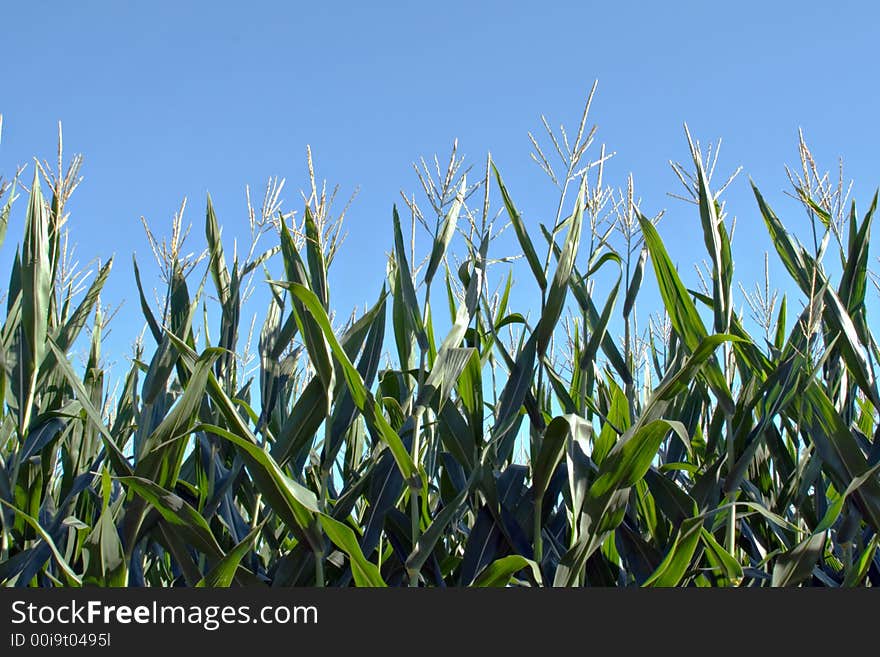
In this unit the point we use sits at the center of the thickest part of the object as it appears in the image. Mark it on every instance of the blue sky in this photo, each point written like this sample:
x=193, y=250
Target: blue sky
x=167, y=101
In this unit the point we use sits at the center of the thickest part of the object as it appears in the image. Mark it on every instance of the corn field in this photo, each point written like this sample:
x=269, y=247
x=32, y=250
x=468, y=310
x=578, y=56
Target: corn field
x=442, y=436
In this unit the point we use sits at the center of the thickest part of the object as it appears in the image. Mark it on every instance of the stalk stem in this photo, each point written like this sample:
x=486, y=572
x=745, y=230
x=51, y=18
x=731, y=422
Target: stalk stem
x=26, y=416
x=538, y=538
x=731, y=496
x=415, y=522
x=319, y=569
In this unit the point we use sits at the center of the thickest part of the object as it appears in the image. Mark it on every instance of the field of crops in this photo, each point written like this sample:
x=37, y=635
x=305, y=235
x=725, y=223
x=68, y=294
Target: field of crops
x=571, y=443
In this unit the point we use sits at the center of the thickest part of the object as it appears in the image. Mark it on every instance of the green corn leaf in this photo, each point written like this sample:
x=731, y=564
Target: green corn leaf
x=184, y=520
x=117, y=459
x=103, y=556
x=716, y=245
x=792, y=254
x=315, y=258
x=682, y=311
x=293, y=503
x=405, y=283
x=73, y=578
x=145, y=307
x=345, y=411
x=635, y=283
x=499, y=572
x=162, y=452
x=317, y=348
x=606, y=257
x=514, y=393
x=365, y=574
x=860, y=570
x=732, y=569
x=165, y=358
x=217, y=263
x=779, y=337
x=402, y=332
x=854, y=279
x=429, y=538
x=361, y=396
x=550, y=454
x=74, y=325
x=584, y=300
x=36, y=276
x=609, y=348
x=600, y=329
x=522, y=235
x=444, y=236
x=841, y=455
x=305, y=419
x=223, y=573
x=794, y=566
x=606, y=501
x=449, y=366
x=678, y=558
x=630, y=459
x=675, y=503
x=559, y=286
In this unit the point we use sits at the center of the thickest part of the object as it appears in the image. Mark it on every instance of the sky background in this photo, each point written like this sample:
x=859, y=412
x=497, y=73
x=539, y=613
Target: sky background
x=173, y=100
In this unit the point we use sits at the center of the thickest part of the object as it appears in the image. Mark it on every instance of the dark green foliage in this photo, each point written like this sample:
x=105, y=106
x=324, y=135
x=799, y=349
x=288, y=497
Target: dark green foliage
x=511, y=451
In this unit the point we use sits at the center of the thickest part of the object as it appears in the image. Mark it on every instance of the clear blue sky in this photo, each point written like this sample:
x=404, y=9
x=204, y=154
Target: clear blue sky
x=168, y=100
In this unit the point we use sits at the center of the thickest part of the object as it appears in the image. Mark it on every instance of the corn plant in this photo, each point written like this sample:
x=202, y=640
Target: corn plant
x=443, y=436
